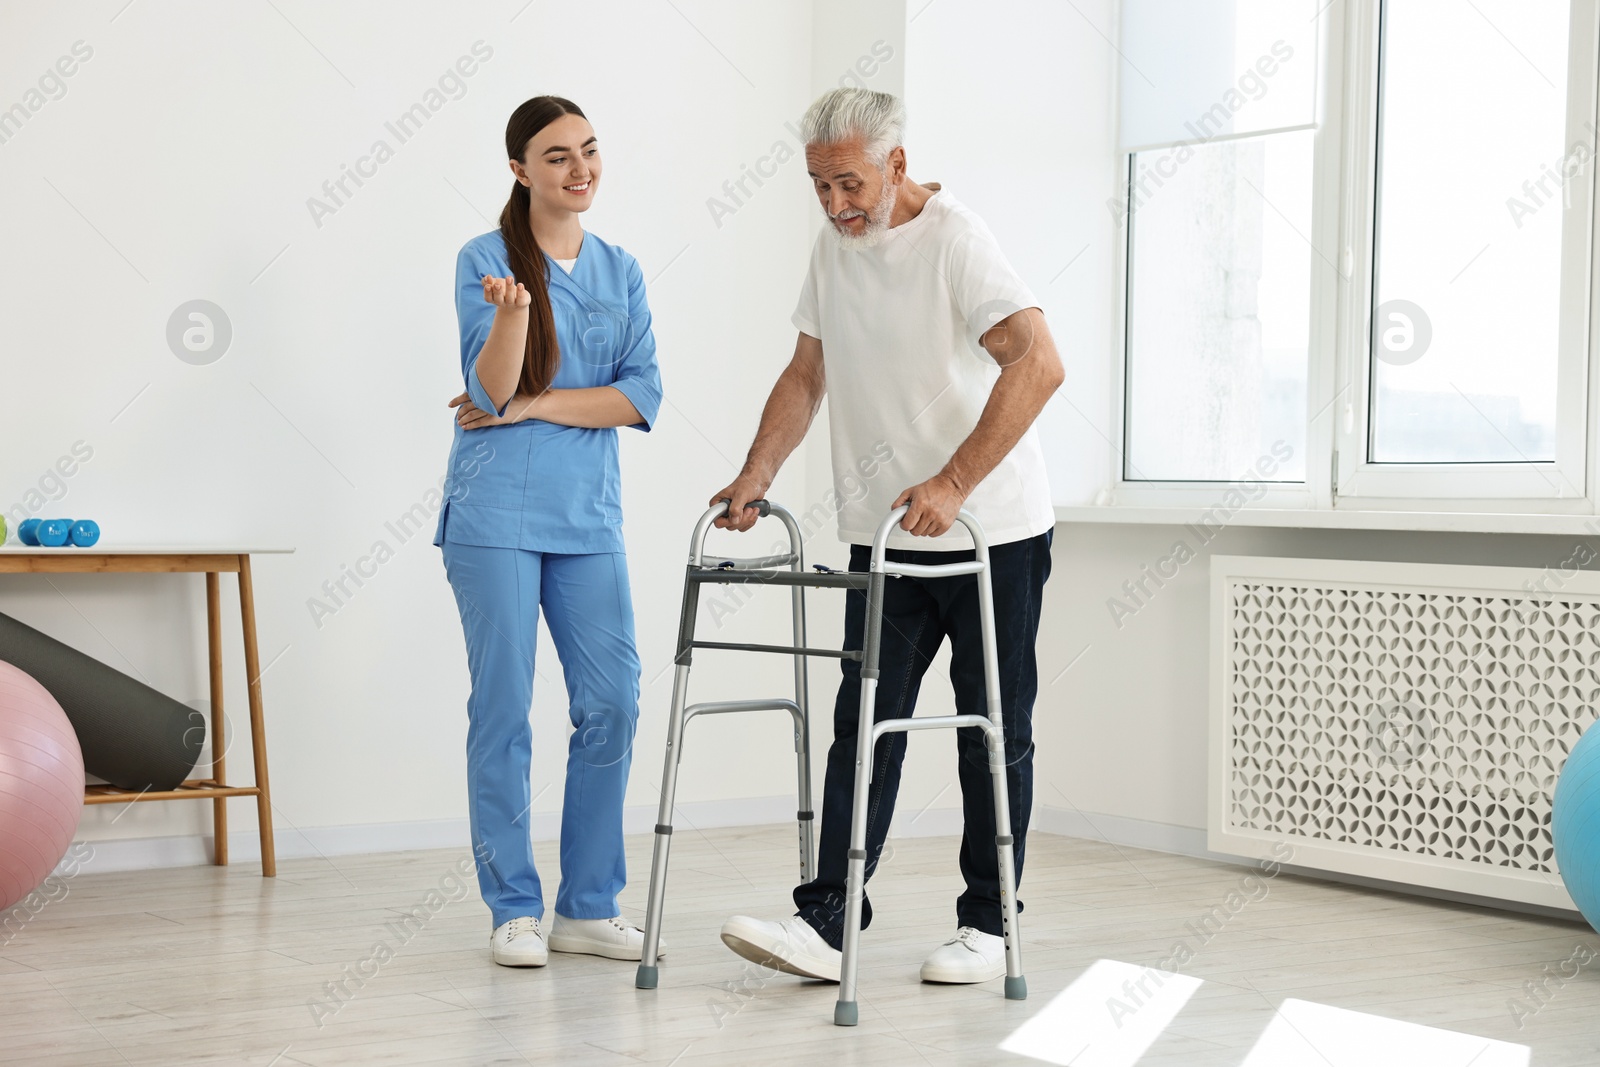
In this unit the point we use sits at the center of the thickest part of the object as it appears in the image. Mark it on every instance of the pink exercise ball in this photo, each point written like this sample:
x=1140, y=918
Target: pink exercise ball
x=41, y=784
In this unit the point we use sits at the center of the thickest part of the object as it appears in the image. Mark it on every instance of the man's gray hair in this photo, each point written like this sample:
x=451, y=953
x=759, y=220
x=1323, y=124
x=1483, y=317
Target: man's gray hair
x=847, y=113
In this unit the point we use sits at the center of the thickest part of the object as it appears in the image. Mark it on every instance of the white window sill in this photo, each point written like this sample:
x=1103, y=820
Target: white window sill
x=1306, y=518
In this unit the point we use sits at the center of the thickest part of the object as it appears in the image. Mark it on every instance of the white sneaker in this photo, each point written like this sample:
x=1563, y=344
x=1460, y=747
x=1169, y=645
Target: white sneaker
x=789, y=945
x=970, y=956
x=612, y=938
x=519, y=943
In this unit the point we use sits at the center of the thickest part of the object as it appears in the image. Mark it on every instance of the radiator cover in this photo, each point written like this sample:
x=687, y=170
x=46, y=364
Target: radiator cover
x=1399, y=721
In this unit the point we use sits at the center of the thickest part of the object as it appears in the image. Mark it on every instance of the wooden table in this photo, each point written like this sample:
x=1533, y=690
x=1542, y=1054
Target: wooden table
x=184, y=559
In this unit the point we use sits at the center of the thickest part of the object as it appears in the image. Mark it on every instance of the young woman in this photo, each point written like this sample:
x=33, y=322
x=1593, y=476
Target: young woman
x=557, y=352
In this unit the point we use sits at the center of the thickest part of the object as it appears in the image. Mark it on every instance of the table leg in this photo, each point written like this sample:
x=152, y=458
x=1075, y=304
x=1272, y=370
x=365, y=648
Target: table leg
x=258, y=734
x=219, y=729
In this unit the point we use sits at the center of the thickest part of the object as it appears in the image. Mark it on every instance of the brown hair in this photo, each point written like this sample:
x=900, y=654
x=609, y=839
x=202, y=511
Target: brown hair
x=542, y=356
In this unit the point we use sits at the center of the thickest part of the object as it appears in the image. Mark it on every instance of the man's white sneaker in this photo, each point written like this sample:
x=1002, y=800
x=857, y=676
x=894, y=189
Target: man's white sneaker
x=519, y=943
x=612, y=938
x=970, y=956
x=789, y=945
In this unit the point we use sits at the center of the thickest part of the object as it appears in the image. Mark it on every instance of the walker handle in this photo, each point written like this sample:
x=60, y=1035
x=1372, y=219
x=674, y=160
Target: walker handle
x=763, y=508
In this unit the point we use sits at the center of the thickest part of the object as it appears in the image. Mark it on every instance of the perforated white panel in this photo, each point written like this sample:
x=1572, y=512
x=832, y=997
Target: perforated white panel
x=1398, y=721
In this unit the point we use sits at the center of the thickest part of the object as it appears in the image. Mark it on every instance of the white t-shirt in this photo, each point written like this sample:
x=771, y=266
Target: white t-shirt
x=907, y=379
x=566, y=264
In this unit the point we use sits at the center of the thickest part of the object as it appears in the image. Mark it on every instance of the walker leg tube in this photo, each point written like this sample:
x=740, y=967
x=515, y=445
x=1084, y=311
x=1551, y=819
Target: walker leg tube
x=806, y=815
x=1016, y=984
x=846, y=1011
x=648, y=974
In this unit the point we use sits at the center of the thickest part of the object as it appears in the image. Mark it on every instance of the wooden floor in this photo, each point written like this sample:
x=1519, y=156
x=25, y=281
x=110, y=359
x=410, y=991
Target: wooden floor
x=219, y=966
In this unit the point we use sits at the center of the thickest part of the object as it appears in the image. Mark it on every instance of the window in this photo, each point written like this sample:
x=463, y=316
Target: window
x=1375, y=246
x=1218, y=123
x=1467, y=282
x=1219, y=284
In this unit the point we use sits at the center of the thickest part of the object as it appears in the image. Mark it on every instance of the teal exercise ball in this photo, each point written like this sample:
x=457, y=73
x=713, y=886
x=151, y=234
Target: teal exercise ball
x=1575, y=825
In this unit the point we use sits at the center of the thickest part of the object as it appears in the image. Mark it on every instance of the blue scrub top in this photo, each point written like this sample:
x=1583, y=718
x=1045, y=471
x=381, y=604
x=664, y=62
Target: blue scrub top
x=536, y=485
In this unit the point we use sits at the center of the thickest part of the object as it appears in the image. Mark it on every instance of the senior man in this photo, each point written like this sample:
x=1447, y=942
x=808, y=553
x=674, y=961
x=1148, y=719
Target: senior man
x=921, y=335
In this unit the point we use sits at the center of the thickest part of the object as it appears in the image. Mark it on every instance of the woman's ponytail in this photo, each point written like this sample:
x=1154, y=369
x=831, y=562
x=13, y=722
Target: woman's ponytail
x=542, y=357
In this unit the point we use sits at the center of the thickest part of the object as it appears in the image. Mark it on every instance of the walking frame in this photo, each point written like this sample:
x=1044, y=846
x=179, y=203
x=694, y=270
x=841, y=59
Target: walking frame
x=789, y=569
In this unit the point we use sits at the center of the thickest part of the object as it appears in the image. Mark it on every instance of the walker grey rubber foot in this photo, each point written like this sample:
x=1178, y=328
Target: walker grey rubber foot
x=648, y=976
x=1016, y=988
x=844, y=1013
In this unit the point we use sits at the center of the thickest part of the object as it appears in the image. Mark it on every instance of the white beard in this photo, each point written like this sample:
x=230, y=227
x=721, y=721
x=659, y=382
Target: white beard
x=877, y=226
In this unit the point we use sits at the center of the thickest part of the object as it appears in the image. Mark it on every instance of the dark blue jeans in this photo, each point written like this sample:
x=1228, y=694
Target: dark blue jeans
x=918, y=614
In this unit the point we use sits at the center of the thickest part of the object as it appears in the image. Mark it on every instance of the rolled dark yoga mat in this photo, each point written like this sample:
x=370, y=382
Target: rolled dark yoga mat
x=131, y=735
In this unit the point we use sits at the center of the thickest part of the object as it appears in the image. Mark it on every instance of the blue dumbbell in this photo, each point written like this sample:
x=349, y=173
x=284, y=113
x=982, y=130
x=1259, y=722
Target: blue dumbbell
x=53, y=533
x=84, y=533
x=45, y=533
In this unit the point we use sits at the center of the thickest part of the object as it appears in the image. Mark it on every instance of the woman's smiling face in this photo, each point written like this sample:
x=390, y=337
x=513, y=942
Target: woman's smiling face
x=561, y=165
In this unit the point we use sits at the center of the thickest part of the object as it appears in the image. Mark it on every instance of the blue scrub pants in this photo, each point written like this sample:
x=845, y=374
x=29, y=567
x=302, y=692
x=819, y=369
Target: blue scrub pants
x=589, y=610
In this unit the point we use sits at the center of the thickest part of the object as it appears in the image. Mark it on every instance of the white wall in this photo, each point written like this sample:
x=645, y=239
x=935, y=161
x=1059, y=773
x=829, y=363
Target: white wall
x=178, y=165
x=1011, y=108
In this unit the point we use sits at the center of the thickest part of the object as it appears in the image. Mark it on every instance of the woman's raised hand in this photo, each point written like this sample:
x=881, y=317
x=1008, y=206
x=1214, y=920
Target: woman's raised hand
x=505, y=293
